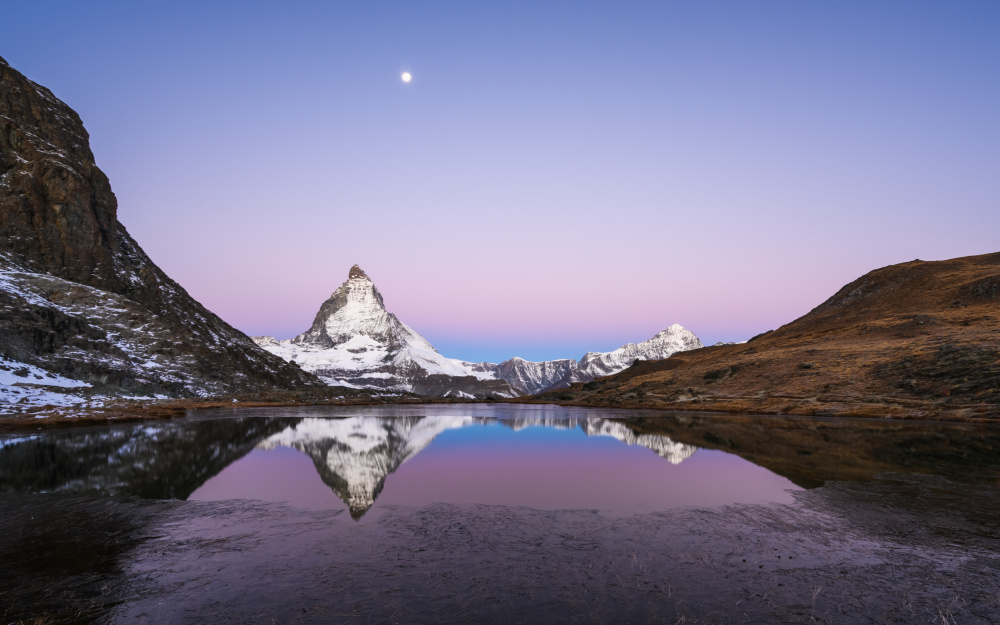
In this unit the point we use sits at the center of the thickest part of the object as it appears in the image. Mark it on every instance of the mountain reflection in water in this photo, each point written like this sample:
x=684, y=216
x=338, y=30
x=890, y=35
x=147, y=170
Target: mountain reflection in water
x=487, y=513
x=545, y=458
x=354, y=456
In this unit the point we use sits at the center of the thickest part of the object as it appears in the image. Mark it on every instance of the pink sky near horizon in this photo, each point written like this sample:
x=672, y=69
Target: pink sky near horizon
x=557, y=178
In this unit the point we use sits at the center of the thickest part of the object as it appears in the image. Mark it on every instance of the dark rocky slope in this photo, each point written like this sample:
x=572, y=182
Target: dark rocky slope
x=918, y=339
x=78, y=296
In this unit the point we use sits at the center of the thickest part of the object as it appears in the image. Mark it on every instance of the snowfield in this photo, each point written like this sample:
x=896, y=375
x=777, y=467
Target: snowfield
x=355, y=342
x=23, y=386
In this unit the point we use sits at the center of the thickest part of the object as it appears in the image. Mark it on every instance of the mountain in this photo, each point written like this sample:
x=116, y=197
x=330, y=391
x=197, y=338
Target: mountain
x=525, y=376
x=530, y=378
x=354, y=341
x=599, y=364
x=78, y=297
x=354, y=456
x=914, y=340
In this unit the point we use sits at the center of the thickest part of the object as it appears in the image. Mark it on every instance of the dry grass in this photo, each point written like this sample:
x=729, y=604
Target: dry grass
x=919, y=340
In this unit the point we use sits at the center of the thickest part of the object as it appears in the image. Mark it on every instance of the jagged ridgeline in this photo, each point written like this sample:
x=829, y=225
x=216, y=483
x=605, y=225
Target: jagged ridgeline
x=78, y=296
x=355, y=341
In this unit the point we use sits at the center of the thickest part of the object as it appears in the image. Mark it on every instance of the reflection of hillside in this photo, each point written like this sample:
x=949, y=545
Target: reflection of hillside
x=810, y=452
x=663, y=446
x=156, y=461
x=354, y=456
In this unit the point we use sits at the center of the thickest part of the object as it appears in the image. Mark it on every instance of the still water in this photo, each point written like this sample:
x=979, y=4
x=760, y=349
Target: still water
x=554, y=463
x=481, y=513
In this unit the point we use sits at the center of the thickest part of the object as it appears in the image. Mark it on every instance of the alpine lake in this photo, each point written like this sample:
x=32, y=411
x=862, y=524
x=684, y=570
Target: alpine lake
x=483, y=513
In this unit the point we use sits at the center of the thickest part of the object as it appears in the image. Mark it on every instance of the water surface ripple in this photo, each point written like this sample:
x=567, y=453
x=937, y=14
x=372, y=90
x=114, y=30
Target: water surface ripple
x=497, y=513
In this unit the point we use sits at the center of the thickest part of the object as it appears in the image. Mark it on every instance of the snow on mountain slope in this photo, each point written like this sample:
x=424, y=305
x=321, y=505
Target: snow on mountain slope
x=110, y=339
x=24, y=386
x=355, y=342
x=78, y=295
x=598, y=364
x=530, y=378
x=524, y=375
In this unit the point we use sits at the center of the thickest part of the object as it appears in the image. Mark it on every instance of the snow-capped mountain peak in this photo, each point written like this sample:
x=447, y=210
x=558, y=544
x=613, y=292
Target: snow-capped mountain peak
x=357, y=272
x=355, y=309
x=355, y=341
x=664, y=344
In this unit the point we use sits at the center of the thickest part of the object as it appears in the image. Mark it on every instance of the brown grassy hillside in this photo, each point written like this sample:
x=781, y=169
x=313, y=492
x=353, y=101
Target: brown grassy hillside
x=916, y=340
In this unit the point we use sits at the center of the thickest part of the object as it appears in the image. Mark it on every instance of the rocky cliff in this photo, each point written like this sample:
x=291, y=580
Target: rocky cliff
x=598, y=364
x=354, y=341
x=526, y=376
x=78, y=296
x=529, y=378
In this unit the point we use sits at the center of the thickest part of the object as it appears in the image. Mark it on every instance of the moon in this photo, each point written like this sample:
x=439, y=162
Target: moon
x=407, y=77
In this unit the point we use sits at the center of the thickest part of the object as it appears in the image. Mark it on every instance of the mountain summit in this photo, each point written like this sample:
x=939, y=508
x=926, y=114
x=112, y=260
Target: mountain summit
x=356, y=309
x=665, y=344
x=354, y=341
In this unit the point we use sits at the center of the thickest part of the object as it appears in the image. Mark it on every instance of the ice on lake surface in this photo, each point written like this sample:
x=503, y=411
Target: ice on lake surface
x=480, y=513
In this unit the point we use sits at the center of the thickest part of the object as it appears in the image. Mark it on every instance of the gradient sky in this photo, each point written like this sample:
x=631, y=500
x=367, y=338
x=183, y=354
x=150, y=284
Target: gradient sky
x=559, y=177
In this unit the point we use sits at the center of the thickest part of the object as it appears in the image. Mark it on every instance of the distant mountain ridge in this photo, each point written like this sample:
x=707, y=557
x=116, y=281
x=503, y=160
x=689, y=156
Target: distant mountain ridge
x=526, y=376
x=354, y=341
x=539, y=377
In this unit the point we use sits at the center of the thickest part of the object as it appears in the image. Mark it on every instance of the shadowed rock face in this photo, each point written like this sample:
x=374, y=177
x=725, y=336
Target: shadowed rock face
x=78, y=296
x=526, y=376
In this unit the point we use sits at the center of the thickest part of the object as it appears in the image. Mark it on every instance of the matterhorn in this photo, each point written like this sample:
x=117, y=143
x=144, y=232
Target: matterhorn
x=354, y=341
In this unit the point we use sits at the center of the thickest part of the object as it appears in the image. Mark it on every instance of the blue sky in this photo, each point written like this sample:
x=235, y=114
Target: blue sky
x=558, y=177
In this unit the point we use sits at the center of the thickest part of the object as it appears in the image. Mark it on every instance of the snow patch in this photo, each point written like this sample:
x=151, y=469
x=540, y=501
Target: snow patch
x=24, y=386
